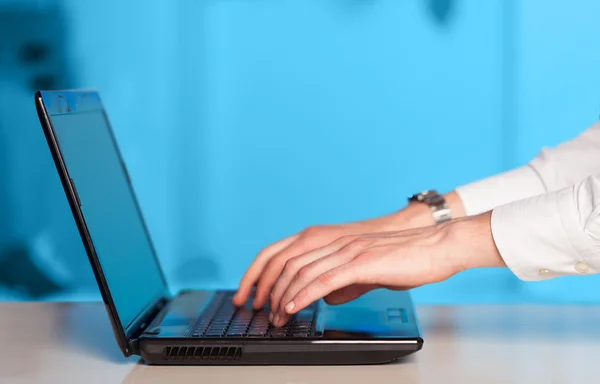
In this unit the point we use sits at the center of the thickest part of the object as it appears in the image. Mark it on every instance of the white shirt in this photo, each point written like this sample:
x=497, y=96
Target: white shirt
x=546, y=215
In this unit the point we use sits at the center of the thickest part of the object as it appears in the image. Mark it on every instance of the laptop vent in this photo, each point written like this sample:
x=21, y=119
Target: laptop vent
x=202, y=353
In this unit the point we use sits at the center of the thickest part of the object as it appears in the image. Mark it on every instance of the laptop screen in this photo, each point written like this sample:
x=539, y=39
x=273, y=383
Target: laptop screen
x=108, y=203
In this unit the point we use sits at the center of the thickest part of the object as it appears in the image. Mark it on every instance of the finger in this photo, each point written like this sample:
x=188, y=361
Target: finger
x=254, y=271
x=272, y=270
x=305, y=276
x=326, y=283
x=311, y=271
x=349, y=293
x=293, y=265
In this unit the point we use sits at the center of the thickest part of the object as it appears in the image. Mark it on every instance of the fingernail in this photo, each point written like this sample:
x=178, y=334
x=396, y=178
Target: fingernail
x=289, y=306
x=276, y=320
x=271, y=317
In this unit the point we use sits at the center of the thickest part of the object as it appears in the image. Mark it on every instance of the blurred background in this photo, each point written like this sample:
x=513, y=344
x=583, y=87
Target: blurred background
x=243, y=121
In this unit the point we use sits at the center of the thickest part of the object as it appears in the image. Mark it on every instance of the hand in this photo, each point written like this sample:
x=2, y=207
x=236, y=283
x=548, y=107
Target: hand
x=353, y=265
x=266, y=268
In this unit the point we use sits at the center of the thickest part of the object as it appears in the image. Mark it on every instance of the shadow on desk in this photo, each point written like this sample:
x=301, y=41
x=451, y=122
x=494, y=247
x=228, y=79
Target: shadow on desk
x=405, y=368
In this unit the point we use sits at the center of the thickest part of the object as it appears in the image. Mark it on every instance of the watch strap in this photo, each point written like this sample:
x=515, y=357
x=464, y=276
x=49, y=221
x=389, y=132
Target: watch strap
x=437, y=204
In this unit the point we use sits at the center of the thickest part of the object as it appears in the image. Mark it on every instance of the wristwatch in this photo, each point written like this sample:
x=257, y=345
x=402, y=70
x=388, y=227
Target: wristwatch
x=437, y=204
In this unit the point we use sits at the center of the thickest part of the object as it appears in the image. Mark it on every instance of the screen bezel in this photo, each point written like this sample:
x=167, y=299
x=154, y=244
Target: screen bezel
x=134, y=329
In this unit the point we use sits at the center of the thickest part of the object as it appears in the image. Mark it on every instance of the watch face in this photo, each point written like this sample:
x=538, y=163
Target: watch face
x=434, y=199
x=429, y=197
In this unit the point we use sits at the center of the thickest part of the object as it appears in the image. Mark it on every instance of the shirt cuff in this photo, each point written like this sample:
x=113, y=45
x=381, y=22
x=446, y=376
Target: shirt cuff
x=482, y=196
x=541, y=237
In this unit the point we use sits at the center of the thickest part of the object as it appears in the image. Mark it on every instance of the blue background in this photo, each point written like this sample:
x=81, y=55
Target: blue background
x=243, y=121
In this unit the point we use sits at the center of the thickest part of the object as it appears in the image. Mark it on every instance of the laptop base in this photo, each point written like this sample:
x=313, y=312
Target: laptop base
x=271, y=353
x=341, y=341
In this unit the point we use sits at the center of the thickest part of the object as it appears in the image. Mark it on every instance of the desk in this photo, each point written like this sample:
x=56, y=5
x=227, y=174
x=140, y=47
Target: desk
x=73, y=343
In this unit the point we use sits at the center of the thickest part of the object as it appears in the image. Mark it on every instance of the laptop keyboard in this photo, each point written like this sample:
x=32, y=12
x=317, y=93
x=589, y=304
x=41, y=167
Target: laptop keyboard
x=222, y=320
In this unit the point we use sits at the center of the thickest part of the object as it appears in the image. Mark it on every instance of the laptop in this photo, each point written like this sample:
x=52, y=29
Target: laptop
x=194, y=327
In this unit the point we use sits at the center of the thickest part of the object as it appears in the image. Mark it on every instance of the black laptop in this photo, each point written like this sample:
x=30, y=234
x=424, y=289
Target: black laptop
x=193, y=326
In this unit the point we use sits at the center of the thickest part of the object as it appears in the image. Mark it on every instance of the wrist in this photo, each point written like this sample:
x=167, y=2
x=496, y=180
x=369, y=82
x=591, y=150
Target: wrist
x=414, y=215
x=471, y=244
x=417, y=215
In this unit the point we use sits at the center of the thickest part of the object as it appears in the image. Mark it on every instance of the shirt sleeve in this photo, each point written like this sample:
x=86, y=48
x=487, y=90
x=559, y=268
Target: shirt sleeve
x=553, y=169
x=553, y=234
x=517, y=184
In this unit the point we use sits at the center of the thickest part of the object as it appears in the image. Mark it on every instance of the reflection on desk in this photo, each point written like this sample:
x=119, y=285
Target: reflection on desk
x=389, y=373
x=73, y=343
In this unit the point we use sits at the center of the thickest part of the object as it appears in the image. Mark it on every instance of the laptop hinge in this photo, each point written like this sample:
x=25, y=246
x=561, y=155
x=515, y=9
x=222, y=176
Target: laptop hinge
x=134, y=347
x=142, y=322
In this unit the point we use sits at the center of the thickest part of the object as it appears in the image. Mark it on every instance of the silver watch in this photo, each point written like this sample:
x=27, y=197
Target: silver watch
x=437, y=204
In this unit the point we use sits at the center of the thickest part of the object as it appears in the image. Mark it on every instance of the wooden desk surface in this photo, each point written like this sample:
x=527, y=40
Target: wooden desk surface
x=73, y=343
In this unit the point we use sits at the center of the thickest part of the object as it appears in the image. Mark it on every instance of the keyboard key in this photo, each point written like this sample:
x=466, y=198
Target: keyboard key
x=235, y=334
x=260, y=324
x=259, y=327
x=299, y=323
x=257, y=333
x=300, y=329
x=219, y=324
